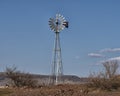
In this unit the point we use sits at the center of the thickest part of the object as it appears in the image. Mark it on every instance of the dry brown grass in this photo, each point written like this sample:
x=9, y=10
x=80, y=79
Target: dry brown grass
x=62, y=90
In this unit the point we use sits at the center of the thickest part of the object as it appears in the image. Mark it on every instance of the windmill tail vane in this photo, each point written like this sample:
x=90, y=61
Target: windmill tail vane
x=65, y=24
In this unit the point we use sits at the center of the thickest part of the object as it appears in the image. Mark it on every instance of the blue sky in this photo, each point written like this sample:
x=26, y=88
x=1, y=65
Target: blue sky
x=26, y=40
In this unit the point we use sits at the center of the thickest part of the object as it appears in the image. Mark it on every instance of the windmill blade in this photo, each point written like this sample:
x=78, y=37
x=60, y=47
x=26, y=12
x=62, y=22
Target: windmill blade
x=58, y=23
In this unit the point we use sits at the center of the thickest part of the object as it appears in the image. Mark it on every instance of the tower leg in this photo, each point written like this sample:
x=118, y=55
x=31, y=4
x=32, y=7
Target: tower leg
x=57, y=67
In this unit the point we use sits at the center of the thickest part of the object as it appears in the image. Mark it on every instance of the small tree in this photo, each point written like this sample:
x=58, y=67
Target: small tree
x=110, y=68
x=20, y=79
x=107, y=79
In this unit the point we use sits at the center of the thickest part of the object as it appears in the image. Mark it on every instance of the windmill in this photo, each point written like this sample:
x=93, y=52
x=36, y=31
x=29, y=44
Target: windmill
x=57, y=24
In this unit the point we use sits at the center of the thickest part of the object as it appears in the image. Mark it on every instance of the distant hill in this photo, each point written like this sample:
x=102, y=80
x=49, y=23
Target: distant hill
x=45, y=79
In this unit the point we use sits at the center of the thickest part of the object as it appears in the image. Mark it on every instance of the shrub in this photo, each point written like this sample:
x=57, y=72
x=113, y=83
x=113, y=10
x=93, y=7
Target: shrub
x=20, y=79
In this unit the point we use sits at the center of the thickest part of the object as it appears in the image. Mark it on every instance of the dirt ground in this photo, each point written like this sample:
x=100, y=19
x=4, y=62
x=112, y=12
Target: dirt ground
x=62, y=90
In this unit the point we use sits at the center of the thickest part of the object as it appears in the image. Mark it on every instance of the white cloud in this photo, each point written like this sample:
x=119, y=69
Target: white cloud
x=77, y=57
x=115, y=58
x=110, y=50
x=95, y=55
x=111, y=60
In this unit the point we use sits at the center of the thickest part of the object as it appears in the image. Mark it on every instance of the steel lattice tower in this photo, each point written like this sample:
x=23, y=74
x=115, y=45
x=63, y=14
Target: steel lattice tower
x=57, y=25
